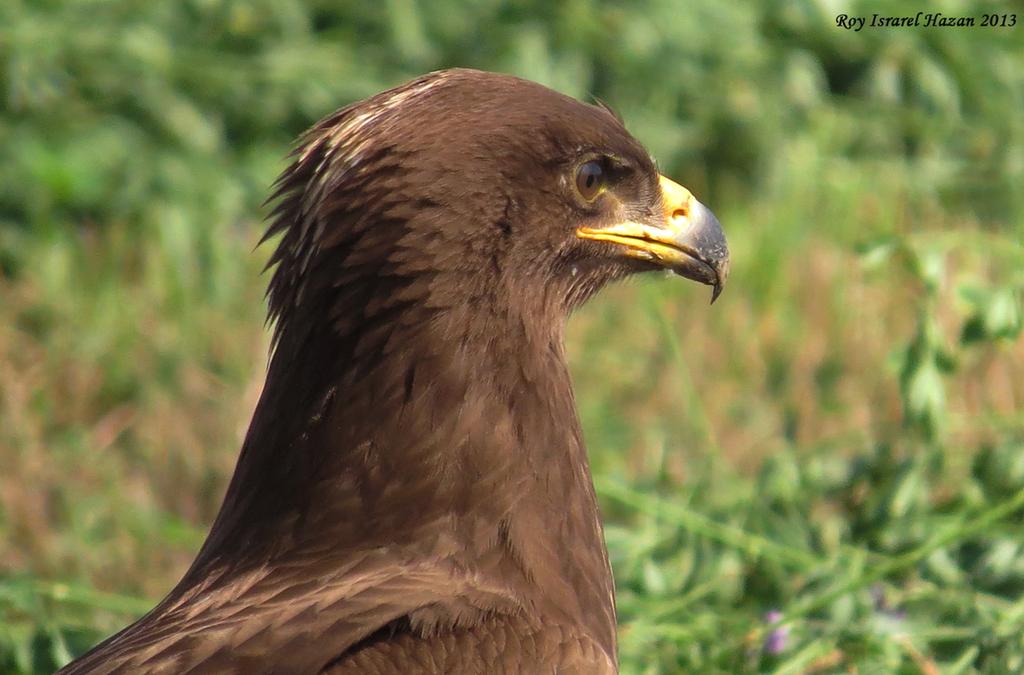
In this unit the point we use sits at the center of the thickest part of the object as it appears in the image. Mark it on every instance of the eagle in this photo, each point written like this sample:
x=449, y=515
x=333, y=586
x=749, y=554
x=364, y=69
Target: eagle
x=413, y=494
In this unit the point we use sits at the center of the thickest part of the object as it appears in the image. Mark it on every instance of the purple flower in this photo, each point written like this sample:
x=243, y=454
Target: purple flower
x=883, y=607
x=778, y=638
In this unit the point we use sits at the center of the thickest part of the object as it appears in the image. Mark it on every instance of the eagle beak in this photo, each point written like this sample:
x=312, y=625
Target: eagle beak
x=689, y=241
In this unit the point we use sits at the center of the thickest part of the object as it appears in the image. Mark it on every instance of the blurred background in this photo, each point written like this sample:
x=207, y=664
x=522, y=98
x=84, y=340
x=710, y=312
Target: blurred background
x=822, y=473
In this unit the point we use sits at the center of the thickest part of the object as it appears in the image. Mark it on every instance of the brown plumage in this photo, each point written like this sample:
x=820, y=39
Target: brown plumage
x=413, y=494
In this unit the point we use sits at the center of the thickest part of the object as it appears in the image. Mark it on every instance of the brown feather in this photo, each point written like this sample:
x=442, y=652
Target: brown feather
x=413, y=494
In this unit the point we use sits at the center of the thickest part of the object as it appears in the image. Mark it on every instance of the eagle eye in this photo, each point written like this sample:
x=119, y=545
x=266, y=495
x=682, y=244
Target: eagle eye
x=590, y=180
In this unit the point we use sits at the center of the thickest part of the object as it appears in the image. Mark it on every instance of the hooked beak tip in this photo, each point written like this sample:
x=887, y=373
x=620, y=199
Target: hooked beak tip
x=716, y=291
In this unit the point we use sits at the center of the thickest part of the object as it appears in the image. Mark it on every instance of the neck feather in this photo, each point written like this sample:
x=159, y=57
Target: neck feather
x=439, y=428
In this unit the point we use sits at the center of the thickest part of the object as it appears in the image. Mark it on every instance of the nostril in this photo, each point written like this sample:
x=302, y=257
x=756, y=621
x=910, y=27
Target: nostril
x=680, y=213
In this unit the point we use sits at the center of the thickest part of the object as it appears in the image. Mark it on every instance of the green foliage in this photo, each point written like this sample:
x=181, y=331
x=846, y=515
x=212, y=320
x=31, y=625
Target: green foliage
x=987, y=315
x=868, y=565
x=822, y=473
